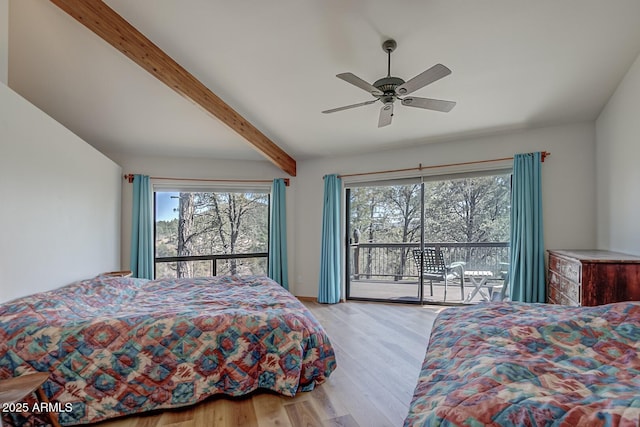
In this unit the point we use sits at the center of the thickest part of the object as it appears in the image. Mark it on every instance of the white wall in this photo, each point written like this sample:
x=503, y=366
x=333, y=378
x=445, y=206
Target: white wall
x=197, y=169
x=4, y=40
x=568, y=186
x=618, y=173
x=60, y=210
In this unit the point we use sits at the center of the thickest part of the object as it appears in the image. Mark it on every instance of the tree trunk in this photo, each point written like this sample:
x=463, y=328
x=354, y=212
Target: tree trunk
x=185, y=230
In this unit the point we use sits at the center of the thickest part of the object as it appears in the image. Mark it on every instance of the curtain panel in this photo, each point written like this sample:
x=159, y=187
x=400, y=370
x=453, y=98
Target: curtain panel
x=330, y=256
x=278, y=266
x=142, y=229
x=527, y=245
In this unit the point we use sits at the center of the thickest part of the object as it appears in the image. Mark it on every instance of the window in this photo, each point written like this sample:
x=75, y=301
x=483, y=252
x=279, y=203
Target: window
x=211, y=233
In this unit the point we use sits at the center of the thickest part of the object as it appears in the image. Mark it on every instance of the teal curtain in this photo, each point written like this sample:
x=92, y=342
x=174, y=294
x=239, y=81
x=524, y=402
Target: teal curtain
x=330, y=259
x=526, y=270
x=278, y=270
x=142, y=229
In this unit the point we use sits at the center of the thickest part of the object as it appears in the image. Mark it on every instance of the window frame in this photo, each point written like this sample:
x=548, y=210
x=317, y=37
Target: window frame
x=210, y=188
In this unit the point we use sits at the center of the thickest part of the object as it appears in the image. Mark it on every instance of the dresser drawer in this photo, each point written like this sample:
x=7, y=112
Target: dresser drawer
x=556, y=297
x=570, y=269
x=563, y=291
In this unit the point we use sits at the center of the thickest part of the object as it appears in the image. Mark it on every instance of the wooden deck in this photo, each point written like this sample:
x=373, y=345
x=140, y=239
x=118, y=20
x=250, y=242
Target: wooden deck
x=408, y=291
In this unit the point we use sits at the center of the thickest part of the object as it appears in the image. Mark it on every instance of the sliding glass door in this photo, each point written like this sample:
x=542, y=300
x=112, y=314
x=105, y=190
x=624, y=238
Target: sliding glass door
x=385, y=227
x=399, y=230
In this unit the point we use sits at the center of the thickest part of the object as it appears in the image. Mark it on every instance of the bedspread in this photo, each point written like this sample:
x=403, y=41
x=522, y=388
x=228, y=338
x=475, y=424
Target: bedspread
x=116, y=346
x=515, y=364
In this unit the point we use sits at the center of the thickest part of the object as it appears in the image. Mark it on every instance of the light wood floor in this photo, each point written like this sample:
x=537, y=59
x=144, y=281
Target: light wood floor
x=379, y=350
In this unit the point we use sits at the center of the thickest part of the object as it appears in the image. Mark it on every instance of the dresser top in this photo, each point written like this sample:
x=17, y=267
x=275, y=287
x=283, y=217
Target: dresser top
x=596, y=255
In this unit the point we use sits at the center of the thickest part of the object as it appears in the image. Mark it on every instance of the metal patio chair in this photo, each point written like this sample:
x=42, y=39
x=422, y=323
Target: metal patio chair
x=431, y=266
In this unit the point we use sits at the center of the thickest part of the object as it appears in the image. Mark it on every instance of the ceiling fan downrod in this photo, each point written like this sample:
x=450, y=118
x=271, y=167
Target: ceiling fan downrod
x=387, y=85
x=389, y=46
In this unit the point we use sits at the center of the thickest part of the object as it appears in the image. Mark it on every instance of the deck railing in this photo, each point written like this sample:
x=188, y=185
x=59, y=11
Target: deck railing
x=394, y=261
x=212, y=265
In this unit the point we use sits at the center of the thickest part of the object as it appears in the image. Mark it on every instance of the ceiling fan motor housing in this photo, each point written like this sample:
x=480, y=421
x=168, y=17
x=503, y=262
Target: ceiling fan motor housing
x=388, y=85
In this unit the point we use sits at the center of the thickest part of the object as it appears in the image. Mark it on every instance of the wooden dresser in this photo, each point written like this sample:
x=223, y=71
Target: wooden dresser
x=592, y=277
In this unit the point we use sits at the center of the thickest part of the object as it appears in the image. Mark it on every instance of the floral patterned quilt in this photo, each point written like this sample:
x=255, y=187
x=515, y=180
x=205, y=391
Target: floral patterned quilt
x=516, y=364
x=117, y=346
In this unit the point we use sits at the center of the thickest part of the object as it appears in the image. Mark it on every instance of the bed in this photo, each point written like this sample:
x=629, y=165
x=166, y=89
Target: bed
x=116, y=346
x=508, y=364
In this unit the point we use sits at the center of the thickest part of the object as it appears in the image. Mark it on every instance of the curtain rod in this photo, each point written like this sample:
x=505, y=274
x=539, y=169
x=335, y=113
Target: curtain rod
x=129, y=177
x=421, y=168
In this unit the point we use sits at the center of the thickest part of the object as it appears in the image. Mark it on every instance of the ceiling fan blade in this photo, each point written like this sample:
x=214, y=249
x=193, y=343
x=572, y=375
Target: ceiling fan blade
x=429, y=104
x=386, y=113
x=346, y=107
x=357, y=81
x=429, y=76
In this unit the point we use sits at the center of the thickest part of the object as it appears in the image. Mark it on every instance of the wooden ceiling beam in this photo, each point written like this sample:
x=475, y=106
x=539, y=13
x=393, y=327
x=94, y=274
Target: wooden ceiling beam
x=115, y=30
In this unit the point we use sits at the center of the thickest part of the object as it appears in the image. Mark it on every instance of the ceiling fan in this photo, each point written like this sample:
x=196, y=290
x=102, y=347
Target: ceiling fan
x=388, y=89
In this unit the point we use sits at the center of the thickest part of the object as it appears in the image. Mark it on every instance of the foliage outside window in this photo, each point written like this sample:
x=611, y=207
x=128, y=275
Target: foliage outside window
x=474, y=209
x=208, y=225
x=471, y=210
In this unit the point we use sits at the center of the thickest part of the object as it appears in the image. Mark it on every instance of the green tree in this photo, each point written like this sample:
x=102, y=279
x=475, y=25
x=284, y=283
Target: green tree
x=403, y=202
x=214, y=223
x=468, y=210
x=464, y=210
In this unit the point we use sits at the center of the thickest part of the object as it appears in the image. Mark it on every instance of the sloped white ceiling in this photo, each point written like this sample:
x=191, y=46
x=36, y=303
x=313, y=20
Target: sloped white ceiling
x=516, y=64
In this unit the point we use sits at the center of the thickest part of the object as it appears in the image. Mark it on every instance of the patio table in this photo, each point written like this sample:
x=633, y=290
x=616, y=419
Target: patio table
x=478, y=279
